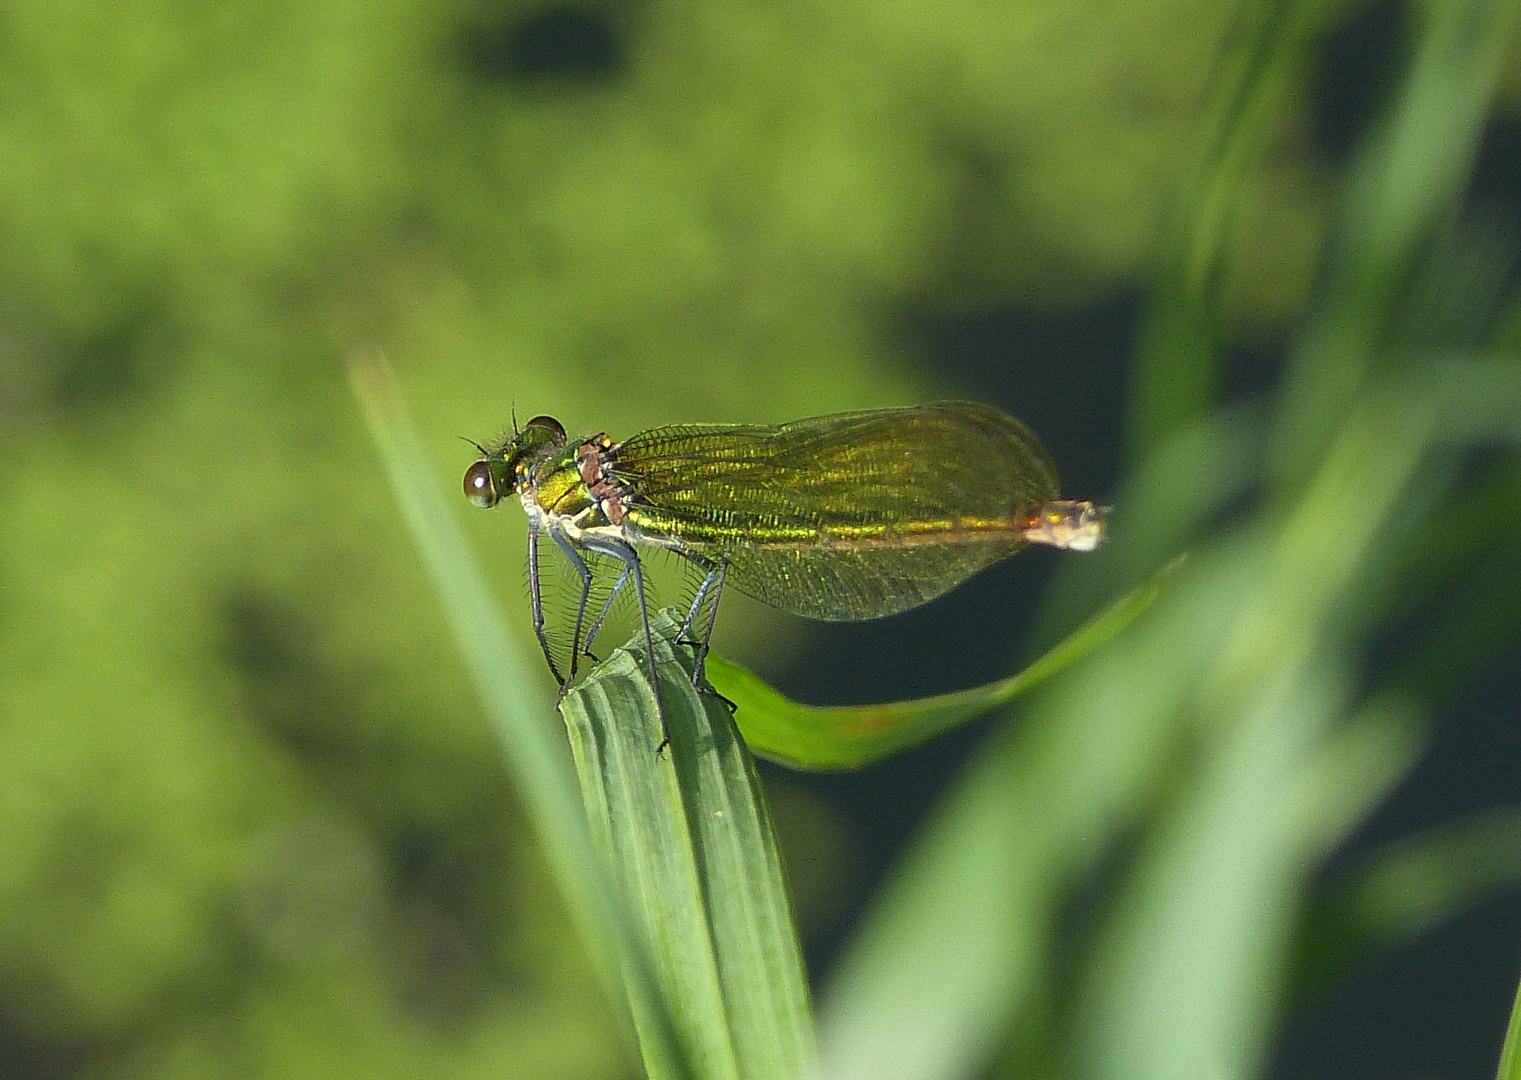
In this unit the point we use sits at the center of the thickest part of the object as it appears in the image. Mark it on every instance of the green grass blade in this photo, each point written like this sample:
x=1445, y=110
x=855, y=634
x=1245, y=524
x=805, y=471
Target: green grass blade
x=817, y=737
x=521, y=719
x=1409, y=176
x=1187, y=971
x=1176, y=365
x=690, y=837
x=1410, y=886
x=955, y=944
x=1510, y=1053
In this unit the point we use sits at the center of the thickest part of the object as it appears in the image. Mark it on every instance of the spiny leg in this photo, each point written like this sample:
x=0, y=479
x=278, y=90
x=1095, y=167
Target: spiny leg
x=607, y=607
x=712, y=585
x=564, y=543
x=536, y=600
x=620, y=549
x=712, y=571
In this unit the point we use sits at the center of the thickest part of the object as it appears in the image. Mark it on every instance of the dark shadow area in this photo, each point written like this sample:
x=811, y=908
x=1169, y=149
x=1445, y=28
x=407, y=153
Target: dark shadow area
x=446, y=912
x=1497, y=173
x=123, y=359
x=1063, y=373
x=1434, y=1007
x=1437, y=1005
x=1355, y=74
x=24, y=1056
x=271, y=647
x=566, y=43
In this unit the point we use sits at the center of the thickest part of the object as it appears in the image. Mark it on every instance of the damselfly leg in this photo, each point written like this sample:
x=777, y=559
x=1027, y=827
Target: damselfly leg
x=624, y=551
x=536, y=600
x=708, y=594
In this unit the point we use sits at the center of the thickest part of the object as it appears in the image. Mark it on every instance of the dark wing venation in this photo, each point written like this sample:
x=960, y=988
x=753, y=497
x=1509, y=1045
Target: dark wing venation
x=939, y=461
x=727, y=491
x=842, y=585
x=560, y=591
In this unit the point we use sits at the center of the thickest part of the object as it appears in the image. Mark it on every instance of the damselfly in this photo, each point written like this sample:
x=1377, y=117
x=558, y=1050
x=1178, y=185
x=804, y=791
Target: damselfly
x=843, y=517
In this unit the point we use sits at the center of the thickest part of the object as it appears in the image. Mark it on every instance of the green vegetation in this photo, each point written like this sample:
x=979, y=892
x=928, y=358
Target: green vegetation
x=254, y=822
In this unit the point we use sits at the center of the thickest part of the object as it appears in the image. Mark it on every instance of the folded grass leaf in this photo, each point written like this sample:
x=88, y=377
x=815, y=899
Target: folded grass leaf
x=687, y=833
x=829, y=737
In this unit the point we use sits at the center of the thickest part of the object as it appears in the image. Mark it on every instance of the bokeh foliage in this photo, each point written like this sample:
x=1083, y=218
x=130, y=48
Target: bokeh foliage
x=251, y=818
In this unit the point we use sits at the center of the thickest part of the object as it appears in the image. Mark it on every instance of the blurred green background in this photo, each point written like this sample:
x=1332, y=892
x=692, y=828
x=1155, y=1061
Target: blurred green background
x=251, y=821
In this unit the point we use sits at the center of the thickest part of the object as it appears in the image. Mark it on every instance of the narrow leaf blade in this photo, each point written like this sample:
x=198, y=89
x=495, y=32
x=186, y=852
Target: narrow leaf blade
x=689, y=836
x=833, y=737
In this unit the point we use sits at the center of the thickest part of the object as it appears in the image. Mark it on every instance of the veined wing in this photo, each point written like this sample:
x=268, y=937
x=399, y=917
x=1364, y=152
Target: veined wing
x=560, y=591
x=849, y=516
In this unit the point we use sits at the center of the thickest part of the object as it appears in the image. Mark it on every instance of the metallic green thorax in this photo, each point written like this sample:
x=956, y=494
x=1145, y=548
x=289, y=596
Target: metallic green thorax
x=842, y=517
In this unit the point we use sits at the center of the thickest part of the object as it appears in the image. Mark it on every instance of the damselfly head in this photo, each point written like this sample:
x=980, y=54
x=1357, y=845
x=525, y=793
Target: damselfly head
x=504, y=469
x=1076, y=525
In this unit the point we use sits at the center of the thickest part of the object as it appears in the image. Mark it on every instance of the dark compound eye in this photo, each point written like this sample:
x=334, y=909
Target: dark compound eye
x=549, y=424
x=480, y=486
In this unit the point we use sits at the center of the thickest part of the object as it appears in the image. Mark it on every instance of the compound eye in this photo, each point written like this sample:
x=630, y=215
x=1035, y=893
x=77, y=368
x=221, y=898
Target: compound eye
x=480, y=486
x=549, y=424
